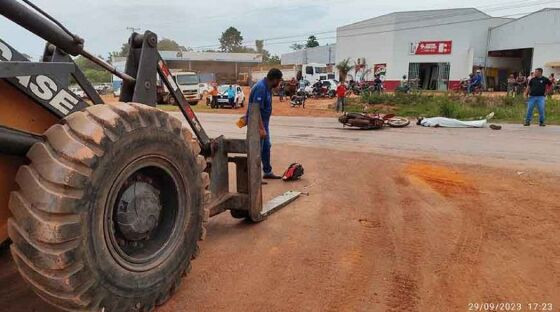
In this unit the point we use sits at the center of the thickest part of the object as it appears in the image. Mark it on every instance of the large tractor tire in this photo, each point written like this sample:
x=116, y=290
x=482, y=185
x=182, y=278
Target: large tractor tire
x=110, y=209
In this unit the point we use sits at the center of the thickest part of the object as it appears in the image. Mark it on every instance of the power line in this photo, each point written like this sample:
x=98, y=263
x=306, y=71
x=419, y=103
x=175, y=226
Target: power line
x=402, y=29
x=511, y=5
x=422, y=18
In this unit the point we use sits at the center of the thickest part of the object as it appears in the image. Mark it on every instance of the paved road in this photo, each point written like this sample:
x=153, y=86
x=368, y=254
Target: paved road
x=515, y=145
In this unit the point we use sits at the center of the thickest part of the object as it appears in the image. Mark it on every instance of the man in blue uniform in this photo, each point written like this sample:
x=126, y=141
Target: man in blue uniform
x=261, y=95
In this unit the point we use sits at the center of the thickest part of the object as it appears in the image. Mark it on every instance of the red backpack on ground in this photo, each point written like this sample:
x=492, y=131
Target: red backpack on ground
x=294, y=172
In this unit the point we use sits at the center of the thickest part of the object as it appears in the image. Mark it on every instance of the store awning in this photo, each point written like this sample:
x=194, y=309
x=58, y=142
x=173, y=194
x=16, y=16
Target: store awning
x=552, y=64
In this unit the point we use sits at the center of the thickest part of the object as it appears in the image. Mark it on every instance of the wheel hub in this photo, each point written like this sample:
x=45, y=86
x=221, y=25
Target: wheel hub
x=138, y=211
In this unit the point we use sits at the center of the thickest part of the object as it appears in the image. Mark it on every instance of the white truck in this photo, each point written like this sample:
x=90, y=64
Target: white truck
x=314, y=71
x=310, y=72
x=189, y=83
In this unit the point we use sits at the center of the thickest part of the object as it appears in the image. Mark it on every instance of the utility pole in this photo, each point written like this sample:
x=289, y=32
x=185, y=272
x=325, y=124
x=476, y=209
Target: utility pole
x=133, y=29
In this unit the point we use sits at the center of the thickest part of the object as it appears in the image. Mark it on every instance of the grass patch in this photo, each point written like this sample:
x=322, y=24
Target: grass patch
x=507, y=109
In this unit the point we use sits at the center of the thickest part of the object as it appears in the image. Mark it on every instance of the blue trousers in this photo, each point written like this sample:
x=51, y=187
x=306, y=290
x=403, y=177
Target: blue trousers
x=472, y=87
x=265, y=153
x=539, y=101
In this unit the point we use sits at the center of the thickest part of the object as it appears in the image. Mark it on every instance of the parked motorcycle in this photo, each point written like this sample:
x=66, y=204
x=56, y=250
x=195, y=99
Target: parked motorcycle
x=298, y=99
x=322, y=91
x=372, y=121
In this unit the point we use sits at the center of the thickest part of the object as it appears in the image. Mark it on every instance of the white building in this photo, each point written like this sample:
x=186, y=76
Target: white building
x=529, y=42
x=212, y=66
x=441, y=47
x=320, y=55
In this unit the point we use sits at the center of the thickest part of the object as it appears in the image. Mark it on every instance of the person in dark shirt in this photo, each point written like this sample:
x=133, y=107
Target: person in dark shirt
x=261, y=95
x=536, y=91
x=282, y=90
x=378, y=84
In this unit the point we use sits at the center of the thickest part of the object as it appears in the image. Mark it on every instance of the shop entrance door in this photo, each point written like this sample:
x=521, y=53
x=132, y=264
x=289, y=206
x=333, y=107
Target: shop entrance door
x=430, y=76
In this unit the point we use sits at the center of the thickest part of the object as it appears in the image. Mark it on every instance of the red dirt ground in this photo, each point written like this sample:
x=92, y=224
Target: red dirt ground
x=313, y=107
x=396, y=235
x=390, y=235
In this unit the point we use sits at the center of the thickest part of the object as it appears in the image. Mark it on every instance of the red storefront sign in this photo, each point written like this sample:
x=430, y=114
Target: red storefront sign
x=380, y=69
x=431, y=47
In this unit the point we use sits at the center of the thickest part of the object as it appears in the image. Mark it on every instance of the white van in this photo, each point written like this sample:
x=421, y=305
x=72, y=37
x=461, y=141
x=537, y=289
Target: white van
x=314, y=71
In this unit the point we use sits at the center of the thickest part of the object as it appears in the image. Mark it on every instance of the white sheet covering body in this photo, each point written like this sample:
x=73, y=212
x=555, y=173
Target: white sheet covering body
x=452, y=123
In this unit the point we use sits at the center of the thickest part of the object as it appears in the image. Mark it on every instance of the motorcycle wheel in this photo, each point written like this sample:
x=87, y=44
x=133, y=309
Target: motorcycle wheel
x=398, y=122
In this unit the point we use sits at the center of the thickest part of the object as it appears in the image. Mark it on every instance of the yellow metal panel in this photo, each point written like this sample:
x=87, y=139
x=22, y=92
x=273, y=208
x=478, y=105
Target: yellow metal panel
x=19, y=112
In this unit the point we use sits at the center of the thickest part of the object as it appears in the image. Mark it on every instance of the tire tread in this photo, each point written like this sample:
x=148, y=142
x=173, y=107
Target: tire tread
x=47, y=215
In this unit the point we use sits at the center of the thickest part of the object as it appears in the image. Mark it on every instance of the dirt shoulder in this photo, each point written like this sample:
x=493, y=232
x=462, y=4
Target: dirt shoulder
x=384, y=234
x=389, y=235
x=313, y=107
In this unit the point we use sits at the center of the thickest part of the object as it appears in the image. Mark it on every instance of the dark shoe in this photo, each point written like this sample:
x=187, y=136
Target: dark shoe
x=495, y=127
x=527, y=124
x=542, y=124
x=271, y=176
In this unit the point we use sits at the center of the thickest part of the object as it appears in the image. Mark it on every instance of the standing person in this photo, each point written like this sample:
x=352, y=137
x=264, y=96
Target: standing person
x=536, y=91
x=521, y=83
x=550, y=88
x=261, y=95
x=378, y=84
x=511, y=85
x=340, y=97
x=282, y=90
x=214, y=94
x=231, y=95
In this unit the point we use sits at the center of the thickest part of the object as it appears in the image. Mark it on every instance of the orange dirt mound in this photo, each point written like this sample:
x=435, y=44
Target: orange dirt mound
x=443, y=180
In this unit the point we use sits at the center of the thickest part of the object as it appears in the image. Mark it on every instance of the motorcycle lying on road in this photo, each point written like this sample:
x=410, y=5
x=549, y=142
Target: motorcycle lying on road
x=372, y=121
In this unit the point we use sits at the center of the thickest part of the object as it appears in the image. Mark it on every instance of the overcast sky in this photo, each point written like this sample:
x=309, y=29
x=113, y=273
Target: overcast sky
x=199, y=24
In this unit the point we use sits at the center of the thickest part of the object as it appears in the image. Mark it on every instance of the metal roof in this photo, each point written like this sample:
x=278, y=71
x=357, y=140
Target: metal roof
x=520, y=19
x=211, y=57
x=415, y=16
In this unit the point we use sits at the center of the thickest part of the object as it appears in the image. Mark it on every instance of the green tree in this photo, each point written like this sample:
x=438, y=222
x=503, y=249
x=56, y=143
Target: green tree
x=231, y=40
x=344, y=68
x=273, y=60
x=171, y=45
x=243, y=49
x=163, y=45
x=312, y=42
x=297, y=46
x=259, y=44
x=267, y=57
x=92, y=71
x=123, y=52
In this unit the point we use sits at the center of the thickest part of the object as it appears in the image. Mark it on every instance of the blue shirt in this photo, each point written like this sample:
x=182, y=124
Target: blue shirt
x=262, y=95
x=477, y=79
x=231, y=93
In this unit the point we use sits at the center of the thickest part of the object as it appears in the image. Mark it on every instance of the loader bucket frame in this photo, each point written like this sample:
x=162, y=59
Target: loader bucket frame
x=143, y=65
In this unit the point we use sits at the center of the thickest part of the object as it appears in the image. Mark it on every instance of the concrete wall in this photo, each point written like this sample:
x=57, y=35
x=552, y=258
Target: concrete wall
x=322, y=55
x=225, y=72
x=547, y=53
x=388, y=40
x=540, y=30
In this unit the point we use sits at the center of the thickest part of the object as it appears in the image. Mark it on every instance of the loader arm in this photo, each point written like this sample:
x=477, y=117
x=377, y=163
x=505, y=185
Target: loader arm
x=185, y=108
